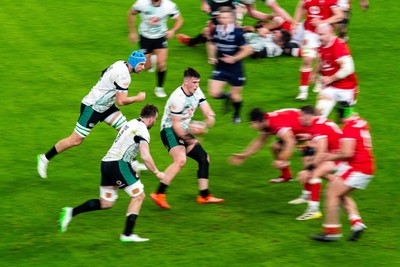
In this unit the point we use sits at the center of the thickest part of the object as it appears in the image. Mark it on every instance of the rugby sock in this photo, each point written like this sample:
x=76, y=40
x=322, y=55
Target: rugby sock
x=332, y=229
x=204, y=193
x=51, y=153
x=161, y=78
x=162, y=188
x=306, y=191
x=224, y=96
x=354, y=219
x=130, y=224
x=199, y=39
x=237, y=106
x=305, y=76
x=286, y=173
x=90, y=205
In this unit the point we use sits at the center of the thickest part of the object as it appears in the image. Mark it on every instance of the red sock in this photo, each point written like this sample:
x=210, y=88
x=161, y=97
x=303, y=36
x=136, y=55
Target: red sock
x=286, y=173
x=315, y=190
x=332, y=229
x=354, y=219
x=304, y=76
x=307, y=187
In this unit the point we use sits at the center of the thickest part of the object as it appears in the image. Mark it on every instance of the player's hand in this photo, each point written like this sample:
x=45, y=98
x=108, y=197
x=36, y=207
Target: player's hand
x=169, y=34
x=140, y=96
x=133, y=37
x=316, y=21
x=364, y=5
x=326, y=80
x=197, y=127
x=161, y=175
x=212, y=61
x=237, y=159
x=228, y=59
x=303, y=176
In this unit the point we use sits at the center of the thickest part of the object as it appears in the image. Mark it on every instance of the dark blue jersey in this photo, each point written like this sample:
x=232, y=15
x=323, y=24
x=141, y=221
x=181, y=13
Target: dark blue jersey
x=228, y=42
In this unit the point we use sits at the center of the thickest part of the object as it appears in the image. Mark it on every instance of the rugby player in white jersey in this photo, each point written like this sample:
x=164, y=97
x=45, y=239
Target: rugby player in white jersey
x=117, y=172
x=177, y=134
x=154, y=33
x=99, y=105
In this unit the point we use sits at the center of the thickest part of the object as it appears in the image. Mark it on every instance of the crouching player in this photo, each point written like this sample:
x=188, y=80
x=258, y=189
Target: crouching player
x=117, y=172
x=355, y=170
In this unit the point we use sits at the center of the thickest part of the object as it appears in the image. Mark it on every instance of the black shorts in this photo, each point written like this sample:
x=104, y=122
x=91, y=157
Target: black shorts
x=90, y=117
x=234, y=78
x=149, y=45
x=117, y=173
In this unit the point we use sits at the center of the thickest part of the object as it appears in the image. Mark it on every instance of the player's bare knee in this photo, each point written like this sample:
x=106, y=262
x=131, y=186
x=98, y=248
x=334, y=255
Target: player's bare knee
x=106, y=204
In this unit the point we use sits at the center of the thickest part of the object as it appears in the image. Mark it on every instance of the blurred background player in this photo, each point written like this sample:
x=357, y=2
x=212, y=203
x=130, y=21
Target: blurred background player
x=285, y=124
x=342, y=25
x=154, y=33
x=177, y=136
x=117, y=172
x=315, y=12
x=99, y=105
x=355, y=171
x=336, y=68
x=226, y=50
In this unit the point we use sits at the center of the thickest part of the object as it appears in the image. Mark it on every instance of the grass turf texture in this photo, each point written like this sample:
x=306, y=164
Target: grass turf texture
x=53, y=53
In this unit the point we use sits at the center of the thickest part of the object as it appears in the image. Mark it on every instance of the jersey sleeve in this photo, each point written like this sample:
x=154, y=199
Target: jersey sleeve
x=349, y=132
x=341, y=51
x=202, y=98
x=240, y=38
x=122, y=82
x=138, y=6
x=174, y=13
x=177, y=107
x=142, y=135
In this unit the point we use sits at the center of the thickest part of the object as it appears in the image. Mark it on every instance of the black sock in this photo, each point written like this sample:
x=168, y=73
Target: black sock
x=199, y=39
x=224, y=96
x=162, y=188
x=51, y=153
x=237, y=106
x=161, y=78
x=90, y=205
x=204, y=192
x=130, y=224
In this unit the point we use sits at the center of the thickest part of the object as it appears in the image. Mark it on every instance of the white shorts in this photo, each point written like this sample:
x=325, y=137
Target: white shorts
x=351, y=178
x=310, y=44
x=348, y=95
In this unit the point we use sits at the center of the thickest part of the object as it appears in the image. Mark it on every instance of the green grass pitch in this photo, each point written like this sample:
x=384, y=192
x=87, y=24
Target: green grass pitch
x=52, y=53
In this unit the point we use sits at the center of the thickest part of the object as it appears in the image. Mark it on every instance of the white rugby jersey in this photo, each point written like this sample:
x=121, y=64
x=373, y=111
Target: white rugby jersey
x=182, y=105
x=126, y=144
x=153, y=23
x=259, y=43
x=115, y=78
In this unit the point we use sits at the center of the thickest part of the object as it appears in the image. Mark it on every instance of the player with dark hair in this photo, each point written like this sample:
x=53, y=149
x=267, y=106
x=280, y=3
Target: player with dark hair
x=226, y=51
x=117, y=172
x=99, y=105
x=177, y=135
x=286, y=126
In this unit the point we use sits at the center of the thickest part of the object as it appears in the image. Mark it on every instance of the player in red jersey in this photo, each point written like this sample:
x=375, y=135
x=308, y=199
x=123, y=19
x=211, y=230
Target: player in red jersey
x=354, y=172
x=286, y=126
x=336, y=67
x=325, y=135
x=316, y=12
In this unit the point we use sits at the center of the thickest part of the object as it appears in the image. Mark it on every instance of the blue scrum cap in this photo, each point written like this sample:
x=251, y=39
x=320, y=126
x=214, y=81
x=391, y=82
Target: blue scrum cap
x=135, y=58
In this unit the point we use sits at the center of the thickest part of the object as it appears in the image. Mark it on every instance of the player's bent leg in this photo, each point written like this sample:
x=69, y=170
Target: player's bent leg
x=325, y=103
x=216, y=88
x=116, y=120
